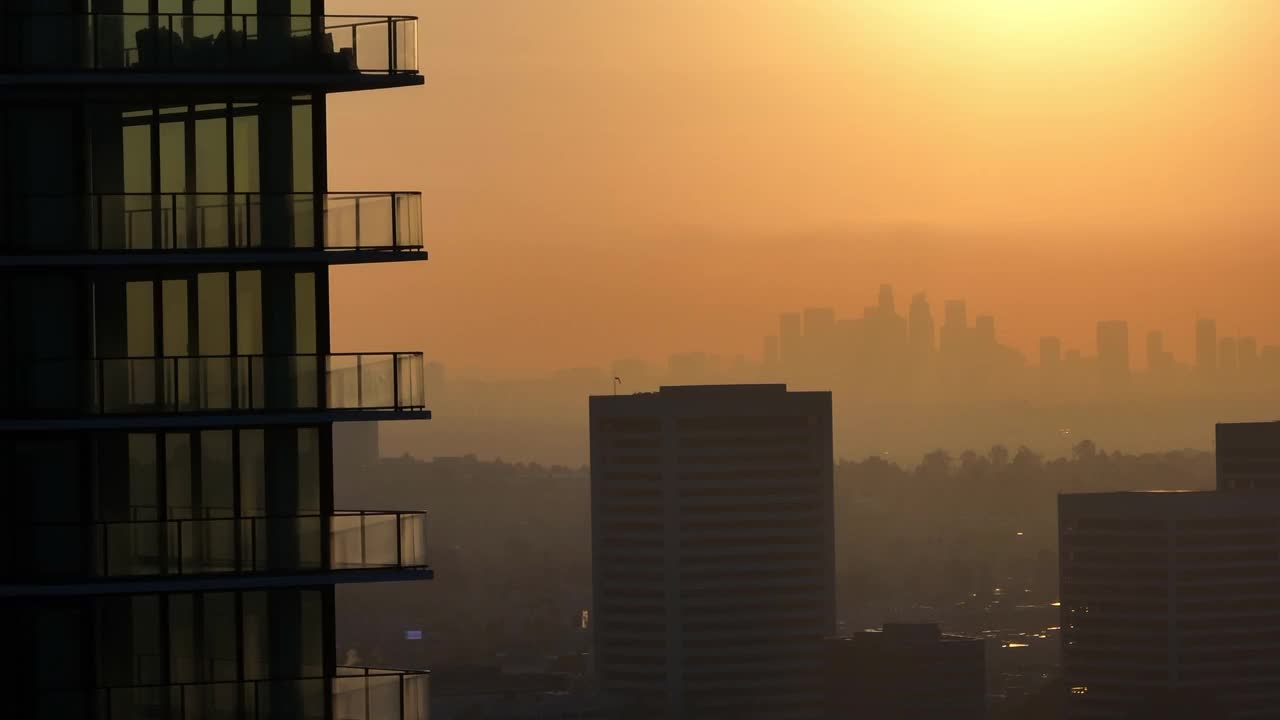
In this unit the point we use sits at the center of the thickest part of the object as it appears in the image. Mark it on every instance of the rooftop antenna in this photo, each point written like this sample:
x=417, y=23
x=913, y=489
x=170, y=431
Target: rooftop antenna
x=616, y=382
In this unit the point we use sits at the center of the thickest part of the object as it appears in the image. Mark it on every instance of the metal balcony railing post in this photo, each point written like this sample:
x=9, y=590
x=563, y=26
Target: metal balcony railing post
x=399, y=543
x=359, y=381
x=391, y=46
x=364, y=548
x=173, y=226
x=96, y=369
x=357, y=246
x=98, y=212
x=395, y=221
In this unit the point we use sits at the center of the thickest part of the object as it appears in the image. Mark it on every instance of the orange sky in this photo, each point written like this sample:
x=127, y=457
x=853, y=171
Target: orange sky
x=613, y=178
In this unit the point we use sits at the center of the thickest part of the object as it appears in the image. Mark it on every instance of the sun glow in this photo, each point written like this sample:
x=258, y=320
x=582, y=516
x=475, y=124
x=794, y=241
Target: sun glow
x=1026, y=30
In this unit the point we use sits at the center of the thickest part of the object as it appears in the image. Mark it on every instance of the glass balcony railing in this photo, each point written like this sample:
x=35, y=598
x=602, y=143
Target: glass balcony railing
x=195, y=42
x=219, y=384
x=356, y=693
x=53, y=224
x=358, y=540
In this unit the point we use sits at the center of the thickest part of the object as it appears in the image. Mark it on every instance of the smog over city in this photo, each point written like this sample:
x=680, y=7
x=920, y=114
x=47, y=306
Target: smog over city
x=640, y=359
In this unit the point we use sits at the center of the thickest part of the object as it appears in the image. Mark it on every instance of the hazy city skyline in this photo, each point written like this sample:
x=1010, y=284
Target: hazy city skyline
x=677, y=174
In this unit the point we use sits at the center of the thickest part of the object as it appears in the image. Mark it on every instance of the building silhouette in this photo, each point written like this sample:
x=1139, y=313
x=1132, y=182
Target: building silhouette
x=1172, y=595
x=790, y=338
x=1207, y=347
x=1248, y=455
x=922, y=335
x=713, y=550
x=1113, y=354
x=167, y=390
x=906, y=670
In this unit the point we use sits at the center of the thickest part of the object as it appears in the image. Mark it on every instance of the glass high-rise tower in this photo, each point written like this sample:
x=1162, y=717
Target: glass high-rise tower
x=168, y=541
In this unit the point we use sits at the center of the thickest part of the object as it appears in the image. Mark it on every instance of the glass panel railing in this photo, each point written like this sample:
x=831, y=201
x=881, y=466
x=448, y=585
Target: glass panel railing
x=225, y=545
x=217, y=383
x=372, y=694
x=378, y=539
x=214, y=221
x=258, y=383
x=200, y=42
x=353, y=693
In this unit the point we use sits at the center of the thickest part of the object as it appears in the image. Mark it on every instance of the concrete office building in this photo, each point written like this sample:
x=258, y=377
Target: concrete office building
x=1171, y=599
x=167, y=390
x=713, y=550
x=1248, y=455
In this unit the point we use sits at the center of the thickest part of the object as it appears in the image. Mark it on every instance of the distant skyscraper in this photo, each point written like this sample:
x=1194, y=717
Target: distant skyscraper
x=1170, y=594
x=906, y=671
x=1158, y=359
x=921, y=328
x=713, y=550
x=1207, y=347
x=819, y=322
x=1227, y=357
x=886, y=299
x=1050, y=356
x=1155, y=347
x=953, y=337
x=1248, y=455
x=984, y=328
x=791, y=339
x=771, y=356
x=168, y=391
x=1247, y=357
x=1113, y=353
x=956, y=314
x=819, y=341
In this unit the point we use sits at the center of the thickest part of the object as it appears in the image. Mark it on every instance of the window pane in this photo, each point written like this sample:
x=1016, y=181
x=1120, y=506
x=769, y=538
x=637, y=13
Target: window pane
x=211, y=149
x=182, y=638
x=214, y=291
x=245, y=133
x=303, y=177
x=177, y=464
x=173, y=150
x=216, y=474
x=249, y=312
x=220, y=636
x=140, y=323
x=305, y=312
x=137, y=151
x=144, y=484
x=176, y=342
x=253, y=470
x=308, y=470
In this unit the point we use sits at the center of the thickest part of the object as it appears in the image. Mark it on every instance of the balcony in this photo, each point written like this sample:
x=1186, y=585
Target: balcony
x=357, y=694
x=211, y=44
x=362, y=545
x=214, y=390
x=221, y=227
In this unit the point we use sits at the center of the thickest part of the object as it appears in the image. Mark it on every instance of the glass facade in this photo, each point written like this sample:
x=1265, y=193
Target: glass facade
x=167, y=392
